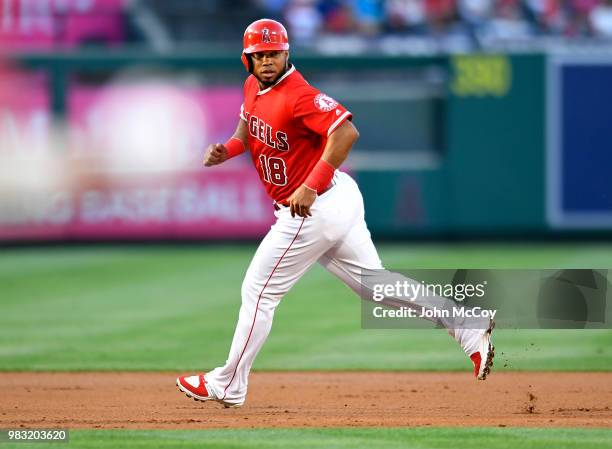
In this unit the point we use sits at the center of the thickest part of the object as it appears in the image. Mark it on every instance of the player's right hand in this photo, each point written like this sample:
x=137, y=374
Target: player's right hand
x=216, y=153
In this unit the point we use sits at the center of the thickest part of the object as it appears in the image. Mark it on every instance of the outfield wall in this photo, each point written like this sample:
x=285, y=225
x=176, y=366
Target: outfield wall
x=490, y=178
x=451, y=146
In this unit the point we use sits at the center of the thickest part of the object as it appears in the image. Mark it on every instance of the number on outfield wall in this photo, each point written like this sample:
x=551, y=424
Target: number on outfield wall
x=481, y=75
x=274, y=170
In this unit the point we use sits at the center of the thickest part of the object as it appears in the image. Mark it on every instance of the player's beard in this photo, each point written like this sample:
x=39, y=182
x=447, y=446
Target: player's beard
x=266, y=84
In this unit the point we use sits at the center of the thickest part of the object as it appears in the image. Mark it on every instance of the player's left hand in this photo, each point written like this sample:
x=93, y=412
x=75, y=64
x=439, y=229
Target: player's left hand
x=301, y=201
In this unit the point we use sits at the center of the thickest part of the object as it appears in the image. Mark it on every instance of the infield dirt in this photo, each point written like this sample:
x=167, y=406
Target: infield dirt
x=309, y=399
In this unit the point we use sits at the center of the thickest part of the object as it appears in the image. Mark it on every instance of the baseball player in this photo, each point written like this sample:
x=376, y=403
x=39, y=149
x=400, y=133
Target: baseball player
x=297, y=137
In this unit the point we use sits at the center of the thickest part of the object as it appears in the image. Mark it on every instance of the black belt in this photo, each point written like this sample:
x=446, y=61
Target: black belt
x=277, y=205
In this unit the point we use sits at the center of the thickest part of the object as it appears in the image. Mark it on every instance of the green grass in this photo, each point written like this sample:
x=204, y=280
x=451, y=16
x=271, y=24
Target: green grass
x=175, y=308
x=404, y=438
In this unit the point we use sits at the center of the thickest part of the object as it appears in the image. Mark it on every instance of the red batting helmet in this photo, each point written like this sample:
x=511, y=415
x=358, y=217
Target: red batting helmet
x=263, y=35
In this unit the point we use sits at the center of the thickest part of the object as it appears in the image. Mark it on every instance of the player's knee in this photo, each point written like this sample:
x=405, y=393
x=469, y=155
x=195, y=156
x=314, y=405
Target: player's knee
x=267, y=304
x=266, y=298
x=249, y=290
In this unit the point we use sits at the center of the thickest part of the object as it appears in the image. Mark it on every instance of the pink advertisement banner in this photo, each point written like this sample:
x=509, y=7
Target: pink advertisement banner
x=126, y=164
x=222, y=203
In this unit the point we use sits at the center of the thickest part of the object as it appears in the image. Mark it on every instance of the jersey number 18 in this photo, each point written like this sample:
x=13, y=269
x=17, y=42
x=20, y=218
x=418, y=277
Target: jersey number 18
x=274, y=170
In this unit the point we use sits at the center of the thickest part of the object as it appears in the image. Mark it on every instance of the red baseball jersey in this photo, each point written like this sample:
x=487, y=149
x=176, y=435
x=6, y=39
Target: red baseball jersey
x=288, y=124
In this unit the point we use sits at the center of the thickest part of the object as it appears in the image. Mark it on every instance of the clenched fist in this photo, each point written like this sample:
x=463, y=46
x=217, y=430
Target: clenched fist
x=216, y=154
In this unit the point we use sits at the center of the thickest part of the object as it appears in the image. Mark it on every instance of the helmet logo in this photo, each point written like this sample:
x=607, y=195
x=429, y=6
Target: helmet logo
x=265, y=36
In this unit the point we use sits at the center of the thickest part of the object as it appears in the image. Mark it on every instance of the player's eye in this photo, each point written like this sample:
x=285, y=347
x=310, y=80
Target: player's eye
x=271, y=54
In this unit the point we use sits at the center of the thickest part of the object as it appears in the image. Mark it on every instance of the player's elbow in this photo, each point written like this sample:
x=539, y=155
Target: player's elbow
x=351, y=131
x=345, y=136
x=355, y=134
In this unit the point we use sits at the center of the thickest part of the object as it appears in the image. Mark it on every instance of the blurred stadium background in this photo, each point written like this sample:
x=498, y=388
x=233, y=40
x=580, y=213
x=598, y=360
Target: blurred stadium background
x=478, y=118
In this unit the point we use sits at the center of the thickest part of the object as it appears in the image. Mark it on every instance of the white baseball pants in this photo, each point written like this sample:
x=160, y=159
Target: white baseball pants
x=336, y=236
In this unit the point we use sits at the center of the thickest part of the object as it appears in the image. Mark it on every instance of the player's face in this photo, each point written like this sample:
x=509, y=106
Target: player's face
x=268, y=66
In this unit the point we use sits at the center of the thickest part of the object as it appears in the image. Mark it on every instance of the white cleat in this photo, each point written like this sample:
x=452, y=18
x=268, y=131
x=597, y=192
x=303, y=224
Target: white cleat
x=483, y=357
x=195, y=387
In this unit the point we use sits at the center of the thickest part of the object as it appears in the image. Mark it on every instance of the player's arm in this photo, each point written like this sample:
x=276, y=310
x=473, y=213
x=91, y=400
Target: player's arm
x=217, y=153
x=338, y=146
